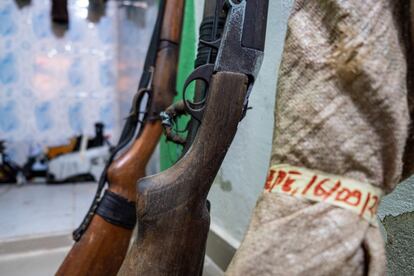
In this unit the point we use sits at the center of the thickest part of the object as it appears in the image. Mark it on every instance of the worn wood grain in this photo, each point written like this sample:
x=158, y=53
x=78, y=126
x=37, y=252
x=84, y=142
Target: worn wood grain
x=103, y=246
x=171, y=207
x=167, y=57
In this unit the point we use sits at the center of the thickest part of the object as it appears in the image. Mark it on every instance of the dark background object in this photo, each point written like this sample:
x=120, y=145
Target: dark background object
x=23, y=3
x=59, y=12
x=96, y=10
x=10, y=172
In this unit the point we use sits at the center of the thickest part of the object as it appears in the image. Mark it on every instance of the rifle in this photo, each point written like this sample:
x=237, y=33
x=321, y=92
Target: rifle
x=172, y=206
x=211, y=28
x=103, y=237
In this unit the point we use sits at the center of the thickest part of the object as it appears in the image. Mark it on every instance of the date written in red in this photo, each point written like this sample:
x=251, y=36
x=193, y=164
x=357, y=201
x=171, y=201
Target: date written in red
x=313, y=186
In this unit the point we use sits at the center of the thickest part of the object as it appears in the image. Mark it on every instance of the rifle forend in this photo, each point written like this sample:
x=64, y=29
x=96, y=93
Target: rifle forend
x=171, y=206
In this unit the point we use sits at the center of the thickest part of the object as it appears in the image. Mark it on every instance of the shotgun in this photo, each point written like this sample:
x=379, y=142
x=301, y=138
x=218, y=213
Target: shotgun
x=103, y=237
x=172, y=206
x=211, y=28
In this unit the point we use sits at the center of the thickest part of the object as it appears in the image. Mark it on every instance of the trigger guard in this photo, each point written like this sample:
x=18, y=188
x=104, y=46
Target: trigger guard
x=204, y=73
x=233, y=4
x=214, y=44
x=195, y=113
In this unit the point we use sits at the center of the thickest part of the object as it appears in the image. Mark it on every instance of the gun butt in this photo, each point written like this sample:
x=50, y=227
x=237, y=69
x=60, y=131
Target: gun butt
x=171, y=206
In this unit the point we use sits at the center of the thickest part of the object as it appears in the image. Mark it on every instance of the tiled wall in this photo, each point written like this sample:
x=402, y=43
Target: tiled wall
x=54, y=85
x=135, y=27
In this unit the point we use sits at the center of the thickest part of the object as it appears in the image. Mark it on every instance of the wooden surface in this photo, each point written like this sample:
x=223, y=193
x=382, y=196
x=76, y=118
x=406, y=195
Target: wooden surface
x=126, y=170
x=167, y=57
x=171, y=206
x=172, y=22
x=103, y=246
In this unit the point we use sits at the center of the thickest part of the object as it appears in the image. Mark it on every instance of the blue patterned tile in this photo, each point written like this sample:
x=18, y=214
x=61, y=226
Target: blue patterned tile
x=25, y=45
x=41, y=24
x=106, y=74
x=107, y=115
x=27, y=92
x=75, y=75
x=49, y=85
x=76, y=117
x=127, y=35
x=7, y=24
x=76, y=30
x=8, y=116
x=8, y=44
x=8, y=72
x=43, y=116
x=9, y=92
x=105, y=30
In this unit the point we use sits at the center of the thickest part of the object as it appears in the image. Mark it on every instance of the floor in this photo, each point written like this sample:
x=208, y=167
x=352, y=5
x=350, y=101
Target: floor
x=36, y=209
x=36, y=221
x=35, y=225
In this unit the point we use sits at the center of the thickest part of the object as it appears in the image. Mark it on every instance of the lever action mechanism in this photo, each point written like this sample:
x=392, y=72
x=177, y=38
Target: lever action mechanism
x=172, y=206
x=240, y=49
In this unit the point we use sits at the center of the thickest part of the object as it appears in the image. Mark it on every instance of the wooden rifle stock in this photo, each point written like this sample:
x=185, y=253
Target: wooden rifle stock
x=103, y=246
x=171, y=207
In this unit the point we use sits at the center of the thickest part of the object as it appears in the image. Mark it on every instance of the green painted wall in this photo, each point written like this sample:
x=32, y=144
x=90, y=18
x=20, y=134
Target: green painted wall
x=169, y=152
